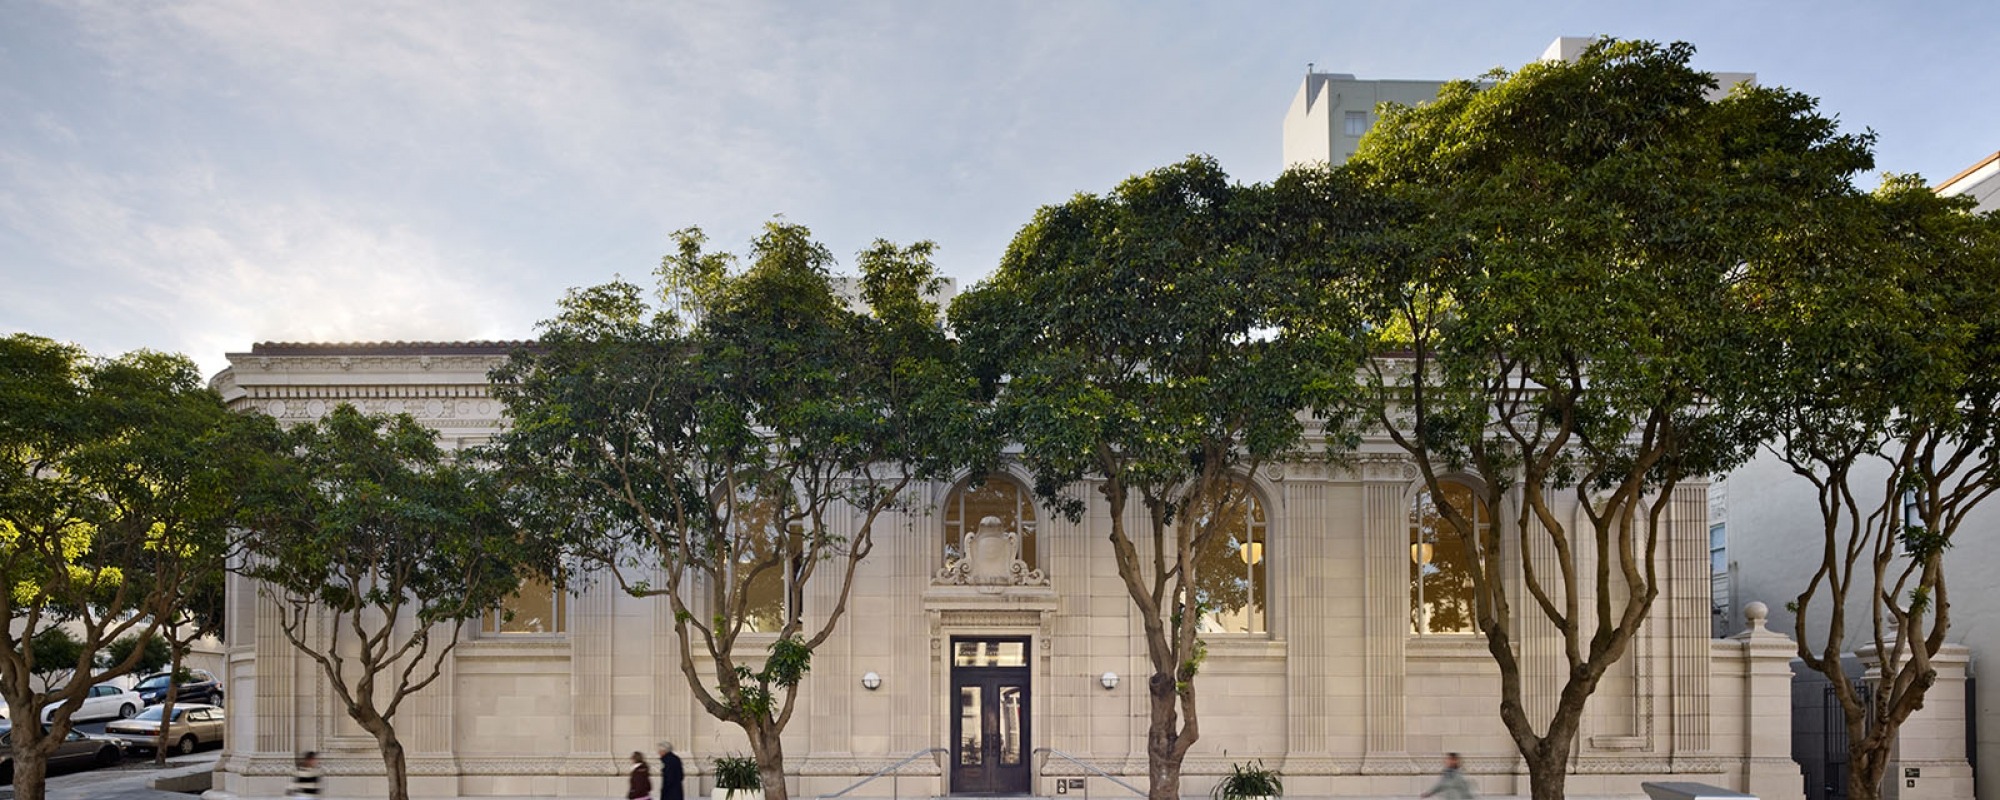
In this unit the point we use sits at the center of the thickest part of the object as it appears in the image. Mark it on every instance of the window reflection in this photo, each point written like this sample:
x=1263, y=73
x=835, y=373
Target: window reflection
x=763, y=548
x=971, y=741
x=1441, y=599
x=980, y=653
x=537, y=608
x=1230, y=568
x=999, y=496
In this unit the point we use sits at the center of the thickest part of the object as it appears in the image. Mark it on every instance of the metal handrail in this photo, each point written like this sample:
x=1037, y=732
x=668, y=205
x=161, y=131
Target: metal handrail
x=1050, y=751
x=884, y=771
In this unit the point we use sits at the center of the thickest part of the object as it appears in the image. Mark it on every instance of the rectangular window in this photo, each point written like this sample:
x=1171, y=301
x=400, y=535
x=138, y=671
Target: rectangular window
x=1357, y=123
x=539, y=608
x=1718, y=549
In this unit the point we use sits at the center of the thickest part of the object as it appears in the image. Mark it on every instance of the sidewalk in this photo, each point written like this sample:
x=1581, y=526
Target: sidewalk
x=128, y=781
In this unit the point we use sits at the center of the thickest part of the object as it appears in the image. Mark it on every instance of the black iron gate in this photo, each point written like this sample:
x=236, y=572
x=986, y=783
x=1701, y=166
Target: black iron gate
x=1819, y=729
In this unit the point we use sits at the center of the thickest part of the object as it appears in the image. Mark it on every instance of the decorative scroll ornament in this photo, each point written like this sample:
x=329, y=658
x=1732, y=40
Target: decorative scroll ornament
x=992, y=558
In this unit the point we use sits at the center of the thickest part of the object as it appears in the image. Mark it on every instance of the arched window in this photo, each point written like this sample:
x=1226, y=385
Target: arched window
x=759, y=555
x=1231, y=567
x=997, y=496
x=1441, y=561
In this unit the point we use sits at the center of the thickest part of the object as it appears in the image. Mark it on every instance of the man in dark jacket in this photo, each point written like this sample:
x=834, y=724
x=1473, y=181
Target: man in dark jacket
x=670, y=773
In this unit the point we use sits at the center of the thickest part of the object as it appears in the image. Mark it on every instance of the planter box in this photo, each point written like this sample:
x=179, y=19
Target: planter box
x=736, y=794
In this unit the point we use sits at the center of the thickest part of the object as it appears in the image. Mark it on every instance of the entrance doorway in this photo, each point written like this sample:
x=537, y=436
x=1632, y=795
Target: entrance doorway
x=990, y=723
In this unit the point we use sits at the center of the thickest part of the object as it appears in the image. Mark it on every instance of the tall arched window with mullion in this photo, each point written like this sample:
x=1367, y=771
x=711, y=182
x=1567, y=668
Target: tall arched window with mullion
x=996, y=496
x=757, y=553
x=1441, y=599
x=1232, y=565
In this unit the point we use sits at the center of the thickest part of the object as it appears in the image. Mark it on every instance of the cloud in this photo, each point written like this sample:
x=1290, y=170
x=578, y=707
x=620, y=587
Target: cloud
x=181, y=264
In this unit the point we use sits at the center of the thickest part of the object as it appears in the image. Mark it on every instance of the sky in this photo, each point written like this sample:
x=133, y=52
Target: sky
x=199, y=176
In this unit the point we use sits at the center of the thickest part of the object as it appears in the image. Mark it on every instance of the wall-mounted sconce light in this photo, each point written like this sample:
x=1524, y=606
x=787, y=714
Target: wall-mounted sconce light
x=1109, y=680
x=871, y=681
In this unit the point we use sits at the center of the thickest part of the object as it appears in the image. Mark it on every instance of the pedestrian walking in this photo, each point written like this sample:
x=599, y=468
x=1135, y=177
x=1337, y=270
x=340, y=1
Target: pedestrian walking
x=1451, y=784
x=671, y=774
x=642, y=780
x=305, y=777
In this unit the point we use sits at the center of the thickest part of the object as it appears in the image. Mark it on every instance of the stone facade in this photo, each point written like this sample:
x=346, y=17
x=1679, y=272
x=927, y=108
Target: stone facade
x=1338, y=693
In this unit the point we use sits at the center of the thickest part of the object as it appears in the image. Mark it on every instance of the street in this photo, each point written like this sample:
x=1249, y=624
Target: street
x=127, y=781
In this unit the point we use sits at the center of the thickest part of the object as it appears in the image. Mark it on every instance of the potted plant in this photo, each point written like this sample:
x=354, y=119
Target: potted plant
x=1247, y=782
x=737, y=778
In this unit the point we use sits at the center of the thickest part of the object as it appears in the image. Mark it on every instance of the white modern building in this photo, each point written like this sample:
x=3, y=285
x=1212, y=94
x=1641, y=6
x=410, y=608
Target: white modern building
x=1332, y=110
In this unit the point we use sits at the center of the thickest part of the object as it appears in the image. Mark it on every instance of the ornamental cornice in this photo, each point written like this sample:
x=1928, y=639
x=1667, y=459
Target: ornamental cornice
x=473, y=365
x=461, y=409
x=1384, y=467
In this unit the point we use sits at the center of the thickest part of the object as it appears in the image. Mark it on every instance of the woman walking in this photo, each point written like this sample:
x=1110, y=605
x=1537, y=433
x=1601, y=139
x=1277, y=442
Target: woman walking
x=642, y=780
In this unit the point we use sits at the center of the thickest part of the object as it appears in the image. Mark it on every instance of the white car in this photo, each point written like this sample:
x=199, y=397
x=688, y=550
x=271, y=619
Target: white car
x=104, y=702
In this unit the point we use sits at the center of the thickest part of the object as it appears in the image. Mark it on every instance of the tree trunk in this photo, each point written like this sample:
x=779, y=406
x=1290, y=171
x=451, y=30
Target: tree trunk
x=1867, y=764
x=395, y=768
x=769, y=745
x=1548, y=768
x=31, y=774
x=1163, y=751
x=167, y=708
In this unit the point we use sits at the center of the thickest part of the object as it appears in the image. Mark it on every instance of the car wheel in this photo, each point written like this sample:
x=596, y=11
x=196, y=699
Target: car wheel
x=109, y=756
x=7, y=773
x=186, y=745
x=126, y=711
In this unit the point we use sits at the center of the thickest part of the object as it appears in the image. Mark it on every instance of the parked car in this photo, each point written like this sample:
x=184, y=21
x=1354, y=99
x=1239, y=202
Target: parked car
x=193, y=725
x=77, y=749
x=197, y=686
x=104, y=702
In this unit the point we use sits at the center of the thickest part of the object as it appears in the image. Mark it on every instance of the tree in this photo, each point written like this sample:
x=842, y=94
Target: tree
x=153, y=653
x=725, y=441
x=376, y=545
x=117, y=480
x=1879, y=383
x=1128, y=341
x=56, y=652
x=1561, y=286
x=200, y=613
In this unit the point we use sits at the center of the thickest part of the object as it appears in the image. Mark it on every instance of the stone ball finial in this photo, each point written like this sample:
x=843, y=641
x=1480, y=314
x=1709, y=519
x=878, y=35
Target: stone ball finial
x=1755, y=613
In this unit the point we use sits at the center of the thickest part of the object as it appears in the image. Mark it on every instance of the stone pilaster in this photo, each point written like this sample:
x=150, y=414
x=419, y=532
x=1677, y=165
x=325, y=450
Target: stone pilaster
x=1386, y=548
x=591, y=621
x=1689, y=620
x=279, y=707
x=1543, y=665
x=1304, y=618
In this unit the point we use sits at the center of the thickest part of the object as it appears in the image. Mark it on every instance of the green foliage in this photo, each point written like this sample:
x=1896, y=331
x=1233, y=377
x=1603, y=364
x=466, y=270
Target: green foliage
x=1562, y=255
x=362, y=523
x=119, y=479
x=1133, y=341
x=370, y=514
x=714, y=434
x=737, y=772
x=154, y=655
x=1246, y=780
x=56, y=650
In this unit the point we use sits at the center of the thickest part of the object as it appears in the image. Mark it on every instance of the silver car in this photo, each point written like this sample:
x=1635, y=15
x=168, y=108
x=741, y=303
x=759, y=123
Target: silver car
x=194, y=725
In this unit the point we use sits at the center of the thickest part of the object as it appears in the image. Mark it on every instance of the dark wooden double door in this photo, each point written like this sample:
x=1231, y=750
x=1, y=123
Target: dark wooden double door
x=990, y=725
